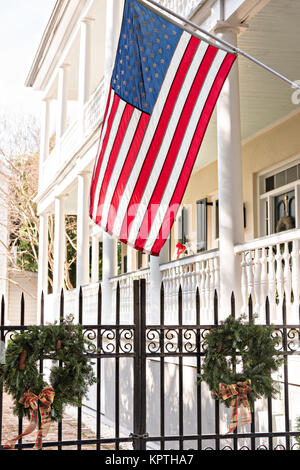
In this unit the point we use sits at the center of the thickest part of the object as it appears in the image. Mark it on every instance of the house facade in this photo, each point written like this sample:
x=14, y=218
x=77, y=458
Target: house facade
x=241, y=209
x=246, y=177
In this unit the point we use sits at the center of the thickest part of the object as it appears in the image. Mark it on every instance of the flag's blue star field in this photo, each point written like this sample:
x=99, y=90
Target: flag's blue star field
x=146, y=46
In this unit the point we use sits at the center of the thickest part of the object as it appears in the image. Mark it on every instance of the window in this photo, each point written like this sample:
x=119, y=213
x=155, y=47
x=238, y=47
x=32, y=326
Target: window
x=217, y=219
x=279, y=193
x=183, y=226
x=202, y=225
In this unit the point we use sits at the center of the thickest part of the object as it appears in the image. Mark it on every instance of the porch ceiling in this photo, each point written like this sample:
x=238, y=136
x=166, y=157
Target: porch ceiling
x=273, y=36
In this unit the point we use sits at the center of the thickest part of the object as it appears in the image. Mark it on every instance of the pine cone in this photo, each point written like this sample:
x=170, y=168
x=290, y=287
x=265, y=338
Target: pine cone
x=22, y=360
x=58, y=346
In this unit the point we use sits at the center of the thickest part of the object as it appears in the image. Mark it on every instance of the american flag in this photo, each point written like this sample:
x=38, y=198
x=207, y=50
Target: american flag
x=163, y=90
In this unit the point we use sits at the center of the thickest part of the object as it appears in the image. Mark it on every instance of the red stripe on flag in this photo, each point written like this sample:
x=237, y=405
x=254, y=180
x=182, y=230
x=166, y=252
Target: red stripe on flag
x=94, y=181
x=193, y=152
x=175, y=146
x=125, y=172
x=104, y=144
x=126, y=116
x=159, y=134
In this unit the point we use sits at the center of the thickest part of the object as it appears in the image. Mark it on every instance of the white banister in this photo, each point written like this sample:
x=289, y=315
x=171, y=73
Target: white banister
x=270, y=268
x=126, y=293
x=198, y=271
x=71, y=140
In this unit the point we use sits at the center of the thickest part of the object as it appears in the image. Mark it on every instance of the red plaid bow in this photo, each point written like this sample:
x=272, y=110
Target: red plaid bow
x=36, y=403
x=238, y=392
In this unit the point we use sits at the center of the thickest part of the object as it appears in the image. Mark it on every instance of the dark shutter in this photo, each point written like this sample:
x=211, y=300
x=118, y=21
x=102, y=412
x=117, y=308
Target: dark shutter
x=202, y=225
x=217, y=218
x=184, y=228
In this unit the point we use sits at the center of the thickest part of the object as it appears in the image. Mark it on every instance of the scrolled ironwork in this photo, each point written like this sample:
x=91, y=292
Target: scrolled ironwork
x=190, y=340
x=126, y=340
x=293, y=337
x=279, y=447
x=278, y=334
x=171, y=340
x=108, y=341
x=153, y=341
x=296, y=446
x=91, y=335
x=10, y=334
x=203, y=335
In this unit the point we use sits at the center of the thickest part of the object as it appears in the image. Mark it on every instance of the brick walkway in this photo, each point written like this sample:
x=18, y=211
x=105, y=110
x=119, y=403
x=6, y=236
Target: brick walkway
x=69, y=429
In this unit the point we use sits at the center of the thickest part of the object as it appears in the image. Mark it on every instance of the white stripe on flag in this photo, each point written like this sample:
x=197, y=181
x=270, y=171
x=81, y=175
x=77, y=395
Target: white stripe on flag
x=109, y=146
x=128, y=137
x=185, y=145
x=167, y=141
x=152, y=125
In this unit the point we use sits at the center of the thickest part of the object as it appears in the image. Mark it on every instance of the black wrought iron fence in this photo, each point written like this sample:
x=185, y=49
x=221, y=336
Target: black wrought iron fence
x=157, y=407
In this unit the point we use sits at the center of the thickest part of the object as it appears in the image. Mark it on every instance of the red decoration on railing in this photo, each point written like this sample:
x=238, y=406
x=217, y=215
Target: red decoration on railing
x=180, y=249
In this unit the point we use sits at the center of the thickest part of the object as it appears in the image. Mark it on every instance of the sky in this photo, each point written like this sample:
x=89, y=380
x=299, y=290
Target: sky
x=22, y=23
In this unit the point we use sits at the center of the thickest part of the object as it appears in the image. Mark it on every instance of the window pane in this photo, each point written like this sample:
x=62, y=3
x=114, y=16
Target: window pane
x=292, y=174
x=202, y=225
x=280, y=179
x=269, y=183
x=267, y=217
x=184, y=228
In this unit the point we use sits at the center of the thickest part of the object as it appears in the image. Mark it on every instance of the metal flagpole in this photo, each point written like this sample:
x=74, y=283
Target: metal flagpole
x=219, y=40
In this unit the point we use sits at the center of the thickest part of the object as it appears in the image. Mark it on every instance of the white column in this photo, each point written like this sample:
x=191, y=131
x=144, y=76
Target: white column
x=45, y=130
x=84, y=78
x=113, y=23
x=59, y=246
x=43, y=262
x=109, y=265
x=61, y=122
x=95, y=258
x=109, y=248
x=83, y=221
x=155, y=283
x=231, y=229
x=130, y=254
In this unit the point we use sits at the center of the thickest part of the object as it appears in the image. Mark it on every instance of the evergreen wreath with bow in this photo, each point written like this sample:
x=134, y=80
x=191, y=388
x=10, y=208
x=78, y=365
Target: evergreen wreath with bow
x=238, y=365
x=69, y=379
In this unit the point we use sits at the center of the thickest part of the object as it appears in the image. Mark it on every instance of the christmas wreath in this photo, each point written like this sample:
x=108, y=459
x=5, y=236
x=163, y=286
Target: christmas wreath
x=69, y=378
x=240, y=358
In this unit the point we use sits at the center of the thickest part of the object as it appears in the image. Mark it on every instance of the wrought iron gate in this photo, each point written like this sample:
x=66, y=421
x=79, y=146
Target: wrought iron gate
x=176, y=346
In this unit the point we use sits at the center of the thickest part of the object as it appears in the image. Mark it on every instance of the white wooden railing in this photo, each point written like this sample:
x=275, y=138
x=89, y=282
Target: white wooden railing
x=126, y=293
x=75, y=136
x=49, y=168
x=94, y=110
x=198, y=271
x=70, y=303
x=270, y=268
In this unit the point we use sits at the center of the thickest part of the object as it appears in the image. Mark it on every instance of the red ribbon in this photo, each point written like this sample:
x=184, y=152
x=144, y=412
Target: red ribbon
x=36, y=403
x=238, y=392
